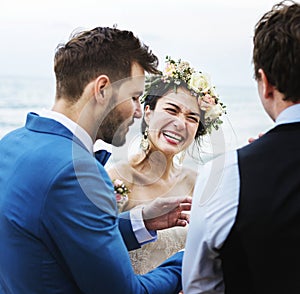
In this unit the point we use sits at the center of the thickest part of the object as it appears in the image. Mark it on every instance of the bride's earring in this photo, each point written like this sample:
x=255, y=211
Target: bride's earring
x=145, y=142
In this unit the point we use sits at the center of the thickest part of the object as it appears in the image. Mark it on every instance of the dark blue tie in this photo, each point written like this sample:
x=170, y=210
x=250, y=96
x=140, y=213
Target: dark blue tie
x=102, y=156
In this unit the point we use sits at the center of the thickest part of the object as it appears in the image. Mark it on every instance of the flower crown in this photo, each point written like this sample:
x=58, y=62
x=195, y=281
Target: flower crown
x=180, y=73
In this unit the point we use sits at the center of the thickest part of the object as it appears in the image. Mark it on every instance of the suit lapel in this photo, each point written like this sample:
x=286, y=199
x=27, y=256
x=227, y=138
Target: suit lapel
x=40, y=124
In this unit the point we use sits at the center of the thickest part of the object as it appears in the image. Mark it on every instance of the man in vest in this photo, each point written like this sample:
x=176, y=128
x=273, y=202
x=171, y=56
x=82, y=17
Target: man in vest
x=244, y=230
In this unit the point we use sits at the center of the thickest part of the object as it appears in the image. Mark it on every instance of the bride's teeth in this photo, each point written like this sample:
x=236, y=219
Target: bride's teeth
x=173, y=136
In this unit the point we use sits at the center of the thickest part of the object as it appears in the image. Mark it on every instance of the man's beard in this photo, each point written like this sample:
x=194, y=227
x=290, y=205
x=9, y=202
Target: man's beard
x=112, y=129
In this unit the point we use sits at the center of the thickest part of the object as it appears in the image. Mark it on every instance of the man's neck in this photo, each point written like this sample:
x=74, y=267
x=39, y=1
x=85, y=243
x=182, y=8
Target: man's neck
x=79, y=112
x=72, y=126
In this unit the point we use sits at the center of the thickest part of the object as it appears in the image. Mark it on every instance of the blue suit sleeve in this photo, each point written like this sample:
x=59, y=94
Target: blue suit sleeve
x=127, y=233
x=81, y=225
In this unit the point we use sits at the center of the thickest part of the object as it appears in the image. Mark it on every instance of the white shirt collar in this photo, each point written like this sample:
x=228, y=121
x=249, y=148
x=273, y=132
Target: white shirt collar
x=101, y=145
x=289, y=115
x=76, y=129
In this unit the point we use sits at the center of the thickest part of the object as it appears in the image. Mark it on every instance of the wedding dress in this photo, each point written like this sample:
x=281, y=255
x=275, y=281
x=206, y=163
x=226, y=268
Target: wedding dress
x=151, y=255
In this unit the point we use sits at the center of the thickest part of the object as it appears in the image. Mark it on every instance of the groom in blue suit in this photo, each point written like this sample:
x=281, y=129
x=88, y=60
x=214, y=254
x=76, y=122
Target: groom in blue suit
x=59, y=227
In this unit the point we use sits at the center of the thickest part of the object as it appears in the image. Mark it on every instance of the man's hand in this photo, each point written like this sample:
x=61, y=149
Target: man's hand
x=163, y=213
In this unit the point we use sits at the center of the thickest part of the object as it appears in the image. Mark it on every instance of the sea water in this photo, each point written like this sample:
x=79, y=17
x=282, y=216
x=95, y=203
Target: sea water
x=20, y=95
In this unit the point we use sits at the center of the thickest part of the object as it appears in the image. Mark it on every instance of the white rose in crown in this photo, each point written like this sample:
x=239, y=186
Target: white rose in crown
x=214, y=111
x=199, y=82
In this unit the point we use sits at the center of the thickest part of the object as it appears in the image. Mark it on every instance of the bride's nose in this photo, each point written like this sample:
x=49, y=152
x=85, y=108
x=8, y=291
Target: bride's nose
x=179, y=122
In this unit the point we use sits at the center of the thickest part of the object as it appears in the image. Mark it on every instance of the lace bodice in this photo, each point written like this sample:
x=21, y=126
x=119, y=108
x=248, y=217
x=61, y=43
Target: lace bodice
x=151, y=255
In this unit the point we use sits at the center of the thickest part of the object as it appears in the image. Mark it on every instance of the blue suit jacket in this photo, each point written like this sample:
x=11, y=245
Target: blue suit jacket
x=59, y=228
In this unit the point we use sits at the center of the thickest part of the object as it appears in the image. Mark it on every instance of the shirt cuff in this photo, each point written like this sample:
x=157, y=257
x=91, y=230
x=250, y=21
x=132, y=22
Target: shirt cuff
x=141, y=233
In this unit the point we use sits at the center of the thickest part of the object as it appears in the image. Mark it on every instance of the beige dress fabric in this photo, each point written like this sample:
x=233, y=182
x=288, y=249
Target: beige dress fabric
x=151, y=255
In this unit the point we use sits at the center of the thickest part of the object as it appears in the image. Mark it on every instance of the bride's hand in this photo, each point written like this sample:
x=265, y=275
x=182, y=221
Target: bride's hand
x=163, y=213
x=251, y=140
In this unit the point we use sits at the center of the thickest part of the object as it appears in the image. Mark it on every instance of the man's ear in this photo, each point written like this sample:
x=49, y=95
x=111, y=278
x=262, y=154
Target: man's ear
x=102, y=89
x=267, y=88
x=147, y=113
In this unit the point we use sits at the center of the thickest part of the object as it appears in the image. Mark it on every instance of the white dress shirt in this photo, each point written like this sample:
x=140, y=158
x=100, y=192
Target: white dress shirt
x=141, y=233
x=214, y=209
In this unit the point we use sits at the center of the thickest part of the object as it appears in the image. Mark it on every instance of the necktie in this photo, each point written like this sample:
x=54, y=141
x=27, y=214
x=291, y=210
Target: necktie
x=102, y=156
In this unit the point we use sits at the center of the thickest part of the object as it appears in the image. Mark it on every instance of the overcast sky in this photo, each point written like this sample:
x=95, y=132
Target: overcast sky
x=215, y=36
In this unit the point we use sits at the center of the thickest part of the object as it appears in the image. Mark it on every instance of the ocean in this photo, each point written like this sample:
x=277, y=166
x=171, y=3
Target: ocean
x=245, y=115
x=20, y=95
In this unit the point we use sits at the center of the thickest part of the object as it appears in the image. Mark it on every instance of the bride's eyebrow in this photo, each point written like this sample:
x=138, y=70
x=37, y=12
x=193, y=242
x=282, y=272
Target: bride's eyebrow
x=178, y=108
x=174, y=105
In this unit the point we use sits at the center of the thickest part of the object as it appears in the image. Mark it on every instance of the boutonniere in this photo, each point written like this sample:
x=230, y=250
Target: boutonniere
x=121, y=193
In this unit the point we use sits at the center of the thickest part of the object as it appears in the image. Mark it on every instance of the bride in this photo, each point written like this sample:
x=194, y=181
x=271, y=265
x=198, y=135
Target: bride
x=180, y=106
